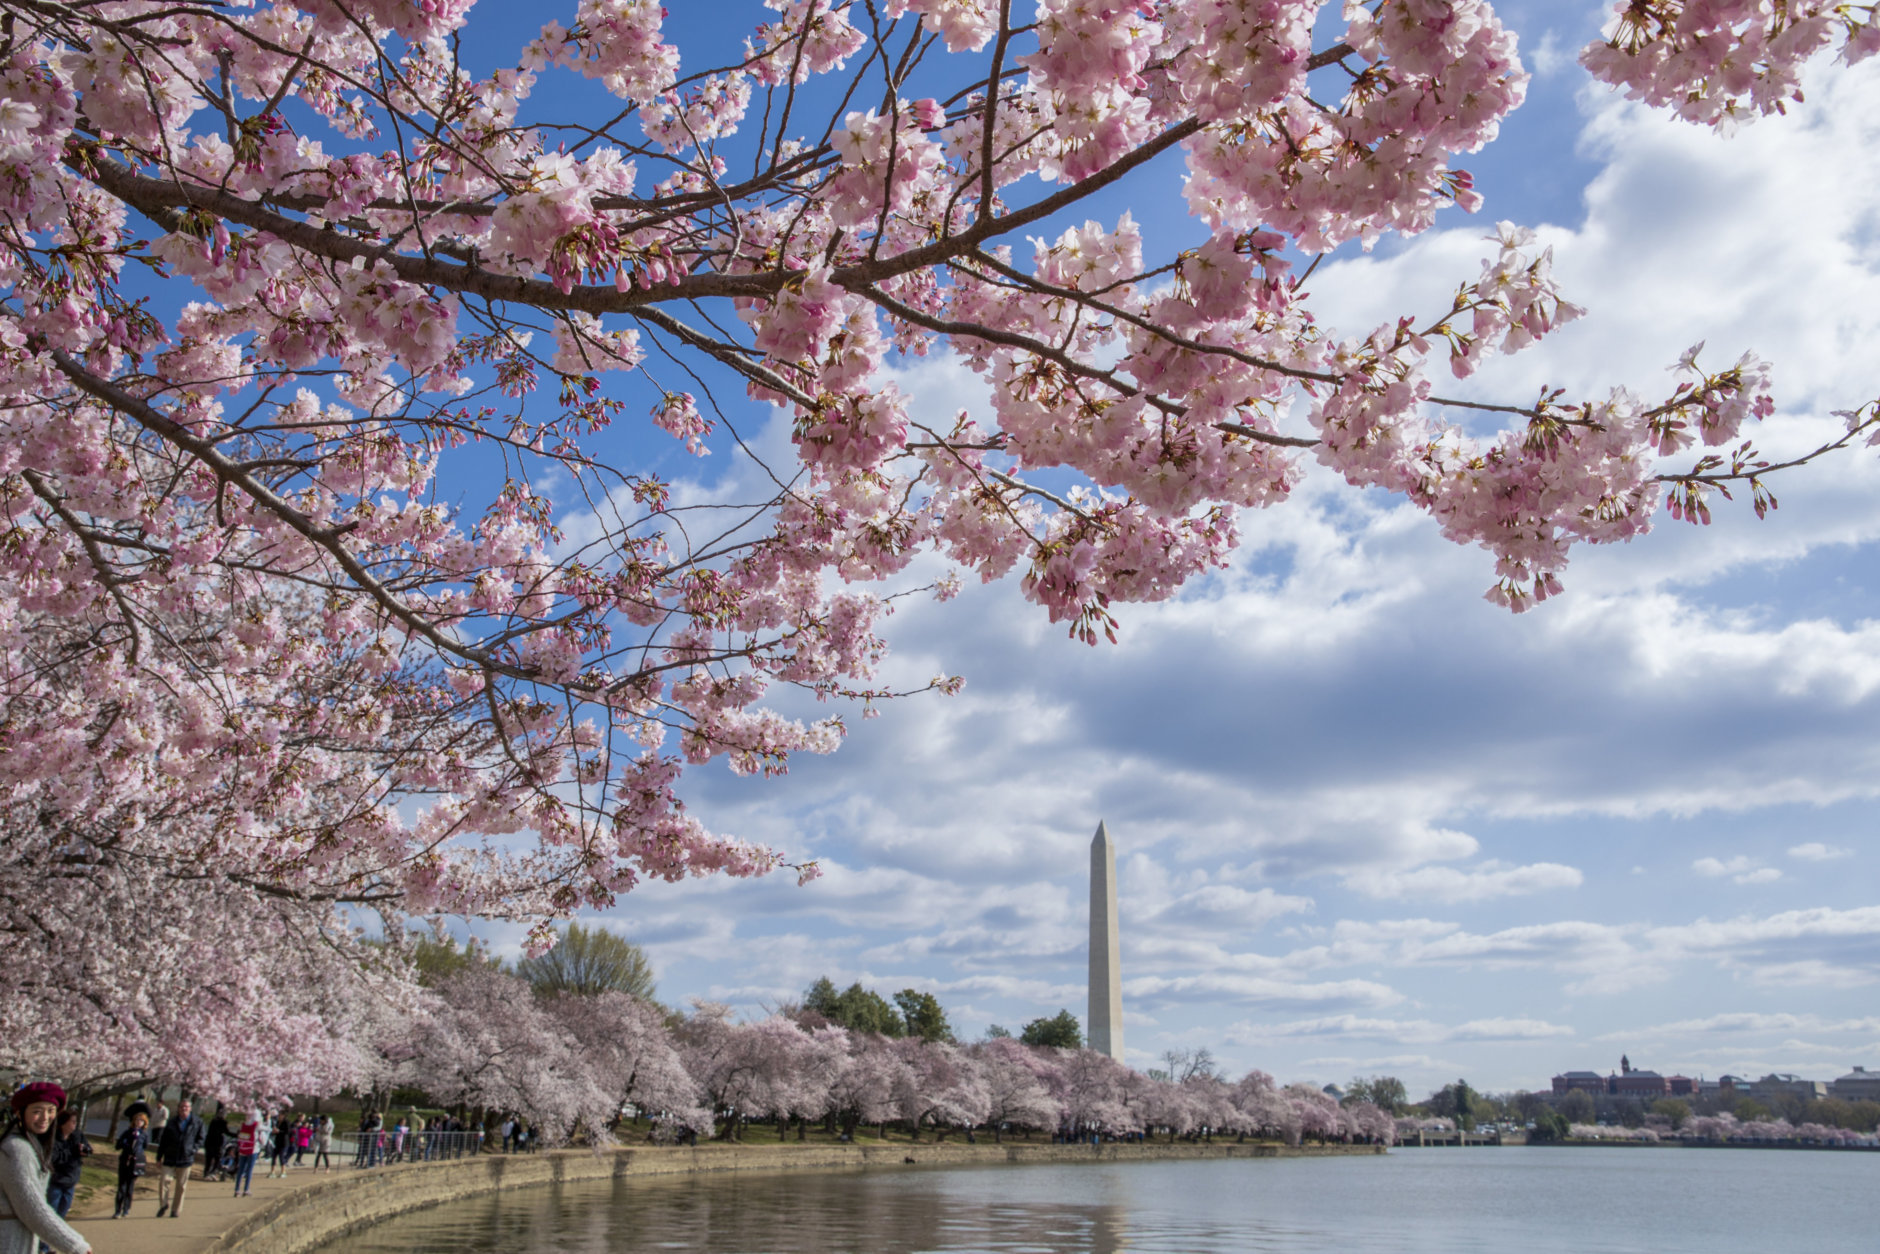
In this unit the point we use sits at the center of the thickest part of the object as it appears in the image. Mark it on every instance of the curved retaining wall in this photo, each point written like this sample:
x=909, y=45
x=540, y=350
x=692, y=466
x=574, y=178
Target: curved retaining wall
x=307, y=1218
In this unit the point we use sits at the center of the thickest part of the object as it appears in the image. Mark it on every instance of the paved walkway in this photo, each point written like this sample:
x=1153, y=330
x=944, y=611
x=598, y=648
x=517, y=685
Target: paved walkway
x=209, y=1208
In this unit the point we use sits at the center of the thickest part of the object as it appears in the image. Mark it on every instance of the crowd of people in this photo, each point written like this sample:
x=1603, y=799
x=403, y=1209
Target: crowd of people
x=44, y=1149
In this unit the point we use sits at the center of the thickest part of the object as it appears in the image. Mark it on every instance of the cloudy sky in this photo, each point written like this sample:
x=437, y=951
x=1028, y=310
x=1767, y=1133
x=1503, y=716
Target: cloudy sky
x=1366, y=822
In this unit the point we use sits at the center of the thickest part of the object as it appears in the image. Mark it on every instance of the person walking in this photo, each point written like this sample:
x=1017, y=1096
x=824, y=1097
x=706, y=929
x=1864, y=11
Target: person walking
x=323, y=1144
x=277, y=1146
x=303, y=1139
x=376, y=1154
x=70, y=1149
x=26, y=1219
x=214, y=1142
x=131, y=1144
x=247, y=1145
x=176, y=1154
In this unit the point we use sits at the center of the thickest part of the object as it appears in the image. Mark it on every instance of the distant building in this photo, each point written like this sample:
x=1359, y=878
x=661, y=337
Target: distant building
x=1635, y=1083
x=1859, y=1085
x=1774, y=1085
x=1630, y=1081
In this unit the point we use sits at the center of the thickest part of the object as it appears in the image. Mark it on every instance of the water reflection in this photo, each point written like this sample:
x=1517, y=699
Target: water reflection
x=1567, y=1201
x=783, y=1214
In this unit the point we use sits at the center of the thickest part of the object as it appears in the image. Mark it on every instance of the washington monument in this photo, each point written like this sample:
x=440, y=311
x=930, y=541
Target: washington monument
x=1106, y=967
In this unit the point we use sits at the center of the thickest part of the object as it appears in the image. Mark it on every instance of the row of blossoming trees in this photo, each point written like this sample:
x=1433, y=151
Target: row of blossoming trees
x=570, y=1063
x=1727, y=1128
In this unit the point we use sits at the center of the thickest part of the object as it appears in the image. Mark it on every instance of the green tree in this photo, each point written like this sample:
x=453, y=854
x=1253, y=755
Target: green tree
x=996, y=1033
x=858, y=1009
x=1549, y=1128
x=822, y=998
x=1749, y=1110
x=590, y=961
x=1454, y=1101
x=1674, y=1109
x=1060, y=1031
x=438, y=960
x=864, y=1010
x=1386, y=1092
x=1465, y=1105
x=923, y=1015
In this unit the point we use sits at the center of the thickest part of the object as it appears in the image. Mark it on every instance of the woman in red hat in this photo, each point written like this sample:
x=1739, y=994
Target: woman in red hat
x=26, y=1218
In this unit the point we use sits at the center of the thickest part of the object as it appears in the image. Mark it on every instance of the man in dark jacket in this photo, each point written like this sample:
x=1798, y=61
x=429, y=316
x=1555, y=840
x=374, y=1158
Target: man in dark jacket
x=176, y=1154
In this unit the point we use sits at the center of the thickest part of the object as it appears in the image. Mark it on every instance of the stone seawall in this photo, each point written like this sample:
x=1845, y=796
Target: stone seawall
x=307, y=1218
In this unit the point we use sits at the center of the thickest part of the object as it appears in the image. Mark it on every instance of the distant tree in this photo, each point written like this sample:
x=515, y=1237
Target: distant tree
x=1632, y=1114
x=1749, y=1110
x=863, y=1010
x=822, y=998
x=996, y=1033
x=1550, y=1128
x=439, y=959
x=1578, y=1106
x=1386, y=1092
x=590, y=961
x=1190, y=1064
x=1674, y=1109
x=1454, y=1101
x=1863, y=1116
x=1530, y=1106
x=1061, y=1031
x=1465, y=1106
x=923, y=1015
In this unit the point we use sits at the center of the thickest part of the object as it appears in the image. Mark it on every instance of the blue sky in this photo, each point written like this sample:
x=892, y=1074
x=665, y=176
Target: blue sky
x=1366, y=822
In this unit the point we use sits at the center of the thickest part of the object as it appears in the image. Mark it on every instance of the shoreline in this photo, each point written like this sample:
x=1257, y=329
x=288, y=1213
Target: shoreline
x=304, y=1219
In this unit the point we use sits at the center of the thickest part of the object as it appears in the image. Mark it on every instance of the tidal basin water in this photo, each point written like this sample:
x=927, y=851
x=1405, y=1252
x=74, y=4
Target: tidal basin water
x=1579, y=1200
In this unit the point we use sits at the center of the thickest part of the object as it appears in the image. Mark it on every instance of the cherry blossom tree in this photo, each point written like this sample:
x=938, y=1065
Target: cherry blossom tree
x=939, y=1085
x=174, y=903
x=1018, y=1091
x=1095, y=1093
x=624, y=1040
x=488, y=1044
x=296, y=302
x=862, y=1090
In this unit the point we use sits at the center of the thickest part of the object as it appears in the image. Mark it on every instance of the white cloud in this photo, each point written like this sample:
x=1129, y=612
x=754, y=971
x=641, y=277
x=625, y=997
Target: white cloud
x=1741, y=869
x=1509, y=1030
x=1258, y=990
x=1409, y=1031
x=1749, y=1022
x=1815, y=851
x=1453, y=884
